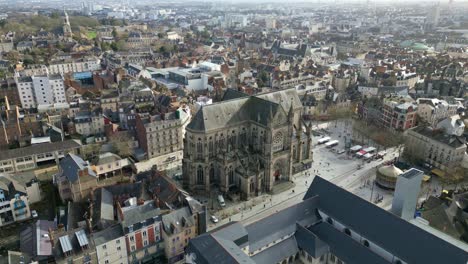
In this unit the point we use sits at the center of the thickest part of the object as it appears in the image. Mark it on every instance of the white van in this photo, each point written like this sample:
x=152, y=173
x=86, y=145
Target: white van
x=221, y=201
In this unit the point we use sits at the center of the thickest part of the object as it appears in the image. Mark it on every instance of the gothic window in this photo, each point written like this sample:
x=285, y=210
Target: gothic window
x=243, y=137
x=261, y=142
x=199, y=149
x=254, y=138
x=278, y=142
x=210, y=148
x=199, y=146
x=221, y=143
x=212, y=174
x=230, y=176
x=200, y=176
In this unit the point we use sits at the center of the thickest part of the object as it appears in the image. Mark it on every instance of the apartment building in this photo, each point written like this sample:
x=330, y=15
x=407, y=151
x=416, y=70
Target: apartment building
x=75, y=179
x=89, y=123
x=141, y=225
x=41, y=90
x=432, y=110
x=435, y=147
x=399, y=113
x=162, y=134
x=82, y=65
x=14, y=204
x=110, y=246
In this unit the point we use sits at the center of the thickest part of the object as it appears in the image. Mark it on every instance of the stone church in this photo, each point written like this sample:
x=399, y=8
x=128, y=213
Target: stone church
x=244, y=145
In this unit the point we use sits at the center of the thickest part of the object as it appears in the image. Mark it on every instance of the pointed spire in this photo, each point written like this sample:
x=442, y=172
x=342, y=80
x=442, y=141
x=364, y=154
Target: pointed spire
x=291, y=111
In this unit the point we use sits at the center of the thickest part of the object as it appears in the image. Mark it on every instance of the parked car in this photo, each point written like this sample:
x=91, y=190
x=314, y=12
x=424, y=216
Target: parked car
x=34, y=214
x=221, y=201
x=214, y=219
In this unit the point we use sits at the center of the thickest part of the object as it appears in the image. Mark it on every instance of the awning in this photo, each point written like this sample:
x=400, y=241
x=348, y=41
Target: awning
x=438, y=172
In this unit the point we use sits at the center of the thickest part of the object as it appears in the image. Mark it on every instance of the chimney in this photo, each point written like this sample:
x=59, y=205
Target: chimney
x=407, y=191
x=119, y=211
x=51, y=237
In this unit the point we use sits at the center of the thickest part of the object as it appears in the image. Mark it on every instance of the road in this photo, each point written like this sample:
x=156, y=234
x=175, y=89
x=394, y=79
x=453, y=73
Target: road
x=339, y=169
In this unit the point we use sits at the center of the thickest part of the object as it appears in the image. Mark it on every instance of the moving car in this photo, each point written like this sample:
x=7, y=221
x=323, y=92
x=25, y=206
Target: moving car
x=221, y=201
x=214, y=219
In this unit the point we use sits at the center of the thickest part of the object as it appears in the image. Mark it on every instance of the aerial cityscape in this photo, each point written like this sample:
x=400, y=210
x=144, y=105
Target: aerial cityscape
x=225, y=131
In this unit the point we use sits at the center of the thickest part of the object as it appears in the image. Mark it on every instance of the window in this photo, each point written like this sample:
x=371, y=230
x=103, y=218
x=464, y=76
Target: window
x=200, y=177
x=107, y=261
x=347, y=231
x=145, y=243
x=117, y=241
x=144, y=233
x=132, y=238
x=104, y=247
x=118, y=248
x=365, y=243
x=133, y=248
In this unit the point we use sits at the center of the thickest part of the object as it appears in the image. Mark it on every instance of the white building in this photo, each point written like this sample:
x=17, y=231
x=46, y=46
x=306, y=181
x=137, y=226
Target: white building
x=41, y=90
x=87, y=123
x=110, y=245
x=89, y=64
x=433, y=110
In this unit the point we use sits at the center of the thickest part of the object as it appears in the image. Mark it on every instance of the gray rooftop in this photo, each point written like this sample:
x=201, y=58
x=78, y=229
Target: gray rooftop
x=107, y=234
x=38, y=149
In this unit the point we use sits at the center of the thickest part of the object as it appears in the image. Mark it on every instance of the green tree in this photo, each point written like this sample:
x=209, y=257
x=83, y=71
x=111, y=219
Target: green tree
x=55, y=15
x=114, y=33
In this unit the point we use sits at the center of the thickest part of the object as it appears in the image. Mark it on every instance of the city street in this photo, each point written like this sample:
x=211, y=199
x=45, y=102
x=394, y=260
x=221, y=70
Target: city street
x=341, y=169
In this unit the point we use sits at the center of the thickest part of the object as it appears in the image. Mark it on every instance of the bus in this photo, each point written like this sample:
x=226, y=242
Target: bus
x=332, y=143
x=323, y=140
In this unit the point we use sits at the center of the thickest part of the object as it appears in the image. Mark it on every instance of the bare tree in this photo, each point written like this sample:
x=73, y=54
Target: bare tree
x=122, y=143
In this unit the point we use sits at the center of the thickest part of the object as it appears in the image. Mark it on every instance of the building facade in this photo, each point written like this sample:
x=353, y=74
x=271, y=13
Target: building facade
x=246, y=144
x=435, y=148
x=41, y=90
x=75, y=179
x=399, y=113
x=433, y=110
x=161, y=134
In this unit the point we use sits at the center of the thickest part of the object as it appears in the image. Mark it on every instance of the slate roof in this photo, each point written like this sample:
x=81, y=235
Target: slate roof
x=439, y=135
x=71, y=164
x=233, y=94
x=38, y=149
x=175, y=218
x=256, y=108
x=278, y=252
x=405, y=240
x=139, y=214
x=211, y=249
x=278, y=225
x=107, y=234
x=346, y=248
